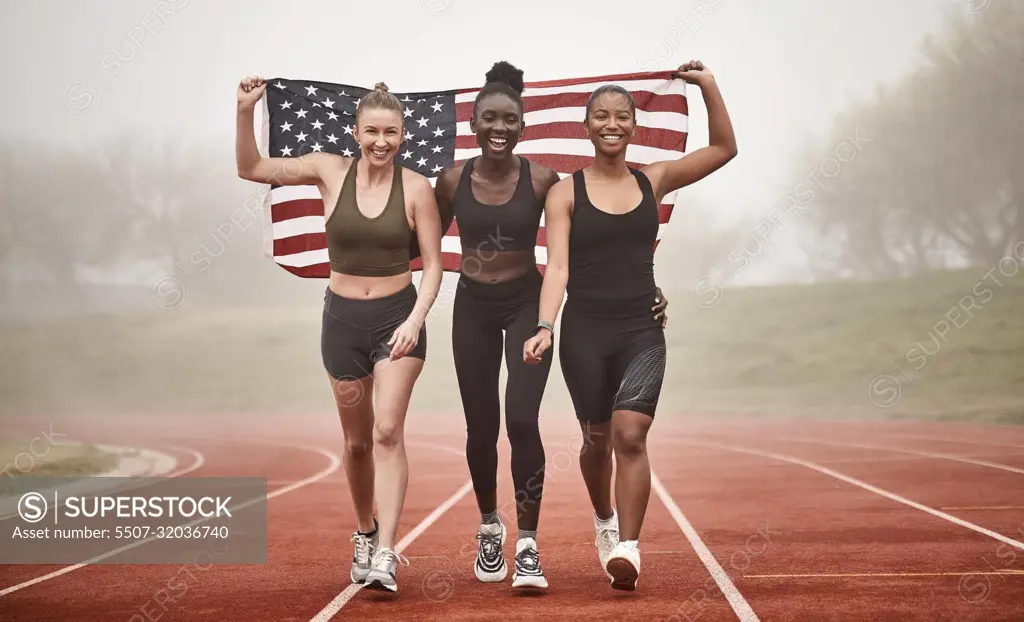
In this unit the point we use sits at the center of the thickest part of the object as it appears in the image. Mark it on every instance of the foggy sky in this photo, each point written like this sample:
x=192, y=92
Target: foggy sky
x=169, y=68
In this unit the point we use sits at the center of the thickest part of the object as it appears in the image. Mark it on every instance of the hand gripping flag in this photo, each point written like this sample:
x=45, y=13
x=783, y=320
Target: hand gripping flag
x=302, y=116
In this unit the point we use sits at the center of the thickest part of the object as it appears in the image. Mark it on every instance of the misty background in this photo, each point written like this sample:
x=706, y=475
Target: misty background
x=878, y=141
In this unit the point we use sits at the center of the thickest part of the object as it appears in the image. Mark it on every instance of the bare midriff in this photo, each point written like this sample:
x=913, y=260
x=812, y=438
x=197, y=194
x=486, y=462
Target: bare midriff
x=488, y=266
x=368, y=287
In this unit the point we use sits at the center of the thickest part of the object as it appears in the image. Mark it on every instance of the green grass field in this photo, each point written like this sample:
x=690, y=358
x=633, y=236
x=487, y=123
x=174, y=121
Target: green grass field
x=953, y=341
x=792, y=350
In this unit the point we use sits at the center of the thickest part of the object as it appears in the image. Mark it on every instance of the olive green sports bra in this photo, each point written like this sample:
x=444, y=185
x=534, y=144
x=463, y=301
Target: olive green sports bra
x=362, y=246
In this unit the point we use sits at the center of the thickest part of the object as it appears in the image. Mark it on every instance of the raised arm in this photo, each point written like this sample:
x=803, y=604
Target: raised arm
x=672, y=175
x=303, y=170
x=557, y=223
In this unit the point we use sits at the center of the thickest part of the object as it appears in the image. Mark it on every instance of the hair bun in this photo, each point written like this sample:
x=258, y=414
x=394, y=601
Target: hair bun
x=380, y=86
x=505, y=72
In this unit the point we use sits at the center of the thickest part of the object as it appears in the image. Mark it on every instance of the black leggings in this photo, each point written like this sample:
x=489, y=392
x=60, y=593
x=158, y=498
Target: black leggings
x=481, y=312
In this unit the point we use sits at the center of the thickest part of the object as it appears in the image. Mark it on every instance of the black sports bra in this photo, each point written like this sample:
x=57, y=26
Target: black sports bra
x=511, y=226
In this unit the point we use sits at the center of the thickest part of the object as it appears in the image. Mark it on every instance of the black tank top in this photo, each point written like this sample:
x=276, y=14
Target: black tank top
x=511, y=226
x=611, y=256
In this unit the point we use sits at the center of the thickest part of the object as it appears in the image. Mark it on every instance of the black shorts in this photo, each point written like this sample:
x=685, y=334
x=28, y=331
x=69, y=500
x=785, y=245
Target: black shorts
x=355, y=332
x=611, y=364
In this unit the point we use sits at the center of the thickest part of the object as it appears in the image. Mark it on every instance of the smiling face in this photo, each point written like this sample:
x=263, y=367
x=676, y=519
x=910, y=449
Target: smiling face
x=498, y=124
x=379, y=134
x=610, y=123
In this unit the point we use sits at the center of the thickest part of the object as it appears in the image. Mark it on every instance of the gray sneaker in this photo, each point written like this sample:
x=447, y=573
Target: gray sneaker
x=382, y=574
x=362, y=559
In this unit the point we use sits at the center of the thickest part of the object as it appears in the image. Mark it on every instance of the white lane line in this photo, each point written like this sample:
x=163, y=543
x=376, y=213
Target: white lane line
x=335, y=464
x=961, y=573
x=346, y=595
x=739, y=604
x=958, y=440
x=912, y=452
x=856, y=482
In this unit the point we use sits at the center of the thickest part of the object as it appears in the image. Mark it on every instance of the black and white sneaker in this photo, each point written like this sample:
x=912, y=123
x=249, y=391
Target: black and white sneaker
x=528, y=572
x=490, y=564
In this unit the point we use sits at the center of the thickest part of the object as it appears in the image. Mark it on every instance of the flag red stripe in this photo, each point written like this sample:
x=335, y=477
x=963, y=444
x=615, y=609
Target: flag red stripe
x=566, y=163
x=451, y=262
x=300, y=243
x=618, y=77
x=296, y=208
x=649, y=136
x=316, y=271
x=654, y=103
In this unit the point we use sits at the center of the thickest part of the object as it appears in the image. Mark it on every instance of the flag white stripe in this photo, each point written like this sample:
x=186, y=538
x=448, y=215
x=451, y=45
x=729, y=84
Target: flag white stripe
x=295, y=193
x=303, y=259
x=451, y=244
x=659, y=87
x=574, y=146
x=298, y=226
x=676, y=121
x=282, y=194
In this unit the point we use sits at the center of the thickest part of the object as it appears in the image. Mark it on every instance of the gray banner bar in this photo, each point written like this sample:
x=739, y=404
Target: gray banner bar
x=139, y=520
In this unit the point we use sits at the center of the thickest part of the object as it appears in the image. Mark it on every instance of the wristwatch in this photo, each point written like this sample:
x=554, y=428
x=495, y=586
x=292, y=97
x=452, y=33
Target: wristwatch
x=547, y=325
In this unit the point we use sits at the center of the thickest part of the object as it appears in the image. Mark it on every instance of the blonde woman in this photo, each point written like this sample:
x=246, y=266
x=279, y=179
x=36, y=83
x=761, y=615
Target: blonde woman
x=373, y=330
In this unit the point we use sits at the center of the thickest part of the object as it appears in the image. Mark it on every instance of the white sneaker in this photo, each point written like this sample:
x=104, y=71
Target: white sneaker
x=490, y=566
x=606, y=540
x=382, y=574
x=624, y=566
x=528, y=572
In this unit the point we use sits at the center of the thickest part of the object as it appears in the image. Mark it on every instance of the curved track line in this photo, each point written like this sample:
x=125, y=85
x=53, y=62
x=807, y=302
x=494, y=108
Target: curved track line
x=912, y=452
x=866, y=486
x=335, y=464
x=346, y=595
x=200, y=460
x=739, y=604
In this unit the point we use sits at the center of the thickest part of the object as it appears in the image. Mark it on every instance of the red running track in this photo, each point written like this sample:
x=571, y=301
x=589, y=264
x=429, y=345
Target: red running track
x=769, y=520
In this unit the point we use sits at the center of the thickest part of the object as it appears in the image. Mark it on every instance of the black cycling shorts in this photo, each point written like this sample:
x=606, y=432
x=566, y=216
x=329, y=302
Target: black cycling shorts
x=355, y=332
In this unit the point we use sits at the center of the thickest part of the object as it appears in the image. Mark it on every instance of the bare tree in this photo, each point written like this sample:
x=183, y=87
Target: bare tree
x=941, y=184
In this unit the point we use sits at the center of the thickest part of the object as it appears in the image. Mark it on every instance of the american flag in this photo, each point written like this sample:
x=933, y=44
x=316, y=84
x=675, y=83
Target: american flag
x=302, y=116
